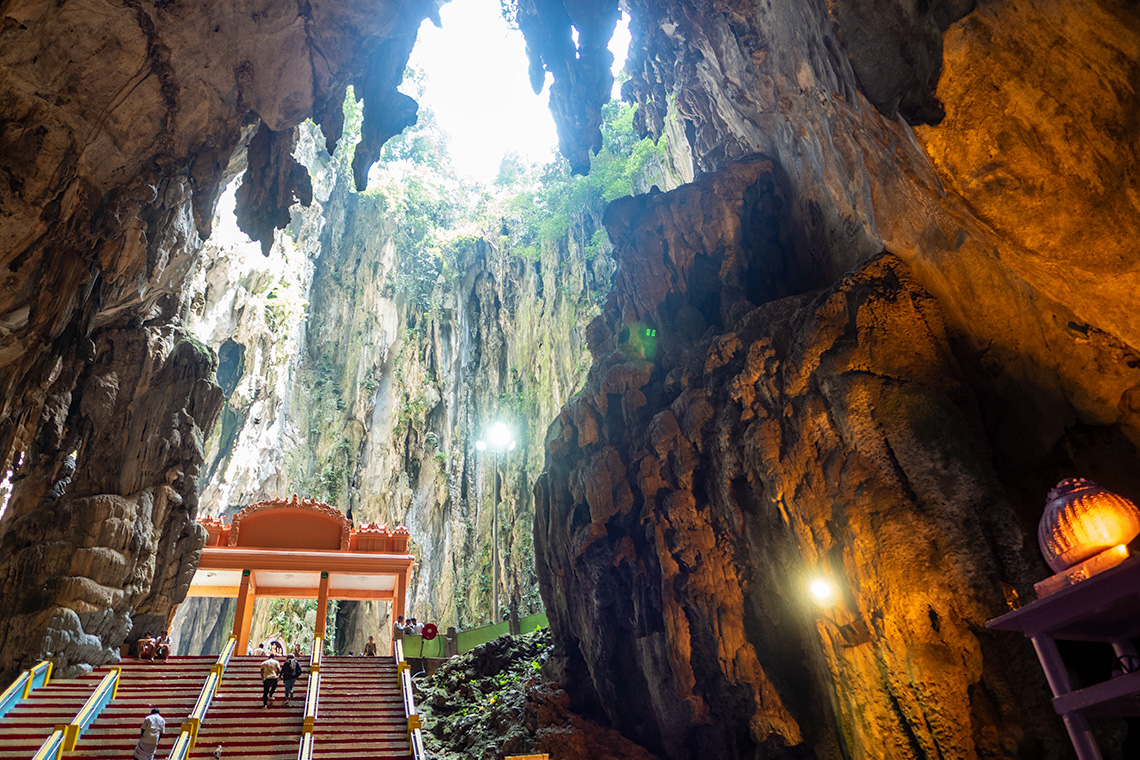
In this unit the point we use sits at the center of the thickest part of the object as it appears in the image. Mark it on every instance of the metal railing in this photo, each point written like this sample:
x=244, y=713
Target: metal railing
x=24, y=684
x=188, y=733
x=415, y=723
x=312, y=696
x=66, y=735
x=50, y=749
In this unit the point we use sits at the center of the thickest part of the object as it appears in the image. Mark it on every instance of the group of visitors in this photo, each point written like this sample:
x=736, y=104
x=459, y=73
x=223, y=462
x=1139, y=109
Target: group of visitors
x=411, y=627
x=272, y=671
x=275, y=646
x=150, y=648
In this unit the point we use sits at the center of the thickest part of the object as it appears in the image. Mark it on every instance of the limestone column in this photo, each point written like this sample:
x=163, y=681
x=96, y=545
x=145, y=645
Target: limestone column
x=322, y=605
x=243, y=616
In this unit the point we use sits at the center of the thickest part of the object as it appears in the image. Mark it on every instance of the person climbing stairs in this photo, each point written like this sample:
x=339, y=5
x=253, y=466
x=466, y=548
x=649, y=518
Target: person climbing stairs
x=238, y=724
x=172, y=686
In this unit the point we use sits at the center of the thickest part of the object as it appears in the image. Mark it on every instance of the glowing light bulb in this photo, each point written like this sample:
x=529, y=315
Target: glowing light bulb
x=822, y=591
x=500, y=436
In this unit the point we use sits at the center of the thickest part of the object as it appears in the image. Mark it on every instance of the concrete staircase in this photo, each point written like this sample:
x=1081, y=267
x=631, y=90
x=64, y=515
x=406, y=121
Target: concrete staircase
x=238, y=723
x=360, y=715
x=24, y=729
x=171, y=686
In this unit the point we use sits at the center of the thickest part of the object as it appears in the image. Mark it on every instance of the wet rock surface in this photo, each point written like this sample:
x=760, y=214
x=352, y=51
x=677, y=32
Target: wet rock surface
x=502, y=699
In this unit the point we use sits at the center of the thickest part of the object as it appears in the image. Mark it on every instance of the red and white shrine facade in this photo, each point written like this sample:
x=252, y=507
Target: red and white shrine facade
x=300, y=549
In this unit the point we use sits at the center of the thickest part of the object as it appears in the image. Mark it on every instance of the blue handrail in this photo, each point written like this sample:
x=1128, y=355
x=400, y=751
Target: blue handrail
x=415, y=722
x=65, y=736
x=188, y=732
x=30, y=679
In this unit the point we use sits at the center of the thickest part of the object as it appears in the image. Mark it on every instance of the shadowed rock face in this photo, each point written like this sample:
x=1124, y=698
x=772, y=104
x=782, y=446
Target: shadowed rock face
x=85, y=560
x=706, y=473
x=810, y=403
x=119, y=122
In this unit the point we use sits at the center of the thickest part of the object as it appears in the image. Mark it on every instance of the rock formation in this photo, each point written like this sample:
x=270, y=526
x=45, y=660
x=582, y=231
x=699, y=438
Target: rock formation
x=119, y=124
x=88, y=558
x=867, y=355
x=366, y=376
x=895, y=306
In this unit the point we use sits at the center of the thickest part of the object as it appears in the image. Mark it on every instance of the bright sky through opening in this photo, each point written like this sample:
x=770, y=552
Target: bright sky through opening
x=477, y=84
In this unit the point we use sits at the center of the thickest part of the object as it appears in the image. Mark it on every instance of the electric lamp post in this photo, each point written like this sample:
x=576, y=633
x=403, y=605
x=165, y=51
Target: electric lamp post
x=499, y=440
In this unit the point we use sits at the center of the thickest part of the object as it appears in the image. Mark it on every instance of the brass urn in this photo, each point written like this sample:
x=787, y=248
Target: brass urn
x=1081, y=520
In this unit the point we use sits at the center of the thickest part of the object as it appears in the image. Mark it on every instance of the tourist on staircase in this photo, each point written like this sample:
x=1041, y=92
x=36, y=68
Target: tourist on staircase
x=152, y=727
x=290, y=672
x=270, y=672
x=370, y=648
x=146, y=647
x=162, y=646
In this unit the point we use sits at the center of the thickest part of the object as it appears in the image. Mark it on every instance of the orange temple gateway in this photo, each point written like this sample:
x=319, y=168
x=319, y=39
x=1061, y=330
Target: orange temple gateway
x=300, y=549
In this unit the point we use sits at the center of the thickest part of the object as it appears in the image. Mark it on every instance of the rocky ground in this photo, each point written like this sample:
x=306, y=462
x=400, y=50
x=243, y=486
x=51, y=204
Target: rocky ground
x=500, y=700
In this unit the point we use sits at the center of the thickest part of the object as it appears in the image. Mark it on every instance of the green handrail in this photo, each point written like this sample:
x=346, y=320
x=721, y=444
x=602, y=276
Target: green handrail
x=312, y=696
x=415, y=646
x=188, y=732
x=415, y=722
x=24, y=684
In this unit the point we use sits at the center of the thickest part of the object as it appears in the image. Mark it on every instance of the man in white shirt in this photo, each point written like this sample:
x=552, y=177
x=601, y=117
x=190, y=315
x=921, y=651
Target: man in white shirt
x=152, y=727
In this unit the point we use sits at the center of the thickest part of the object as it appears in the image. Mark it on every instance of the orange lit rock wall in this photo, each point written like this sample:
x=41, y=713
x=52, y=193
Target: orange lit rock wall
x=877, y=346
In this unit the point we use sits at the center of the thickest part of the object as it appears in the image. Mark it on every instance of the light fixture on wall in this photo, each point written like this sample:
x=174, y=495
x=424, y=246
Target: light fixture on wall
x=827, y=598
x=1084, y=530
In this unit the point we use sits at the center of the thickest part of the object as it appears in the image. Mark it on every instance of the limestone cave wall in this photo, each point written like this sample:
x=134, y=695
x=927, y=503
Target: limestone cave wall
x=360, y=368
x=119, y=123
x=894, y=308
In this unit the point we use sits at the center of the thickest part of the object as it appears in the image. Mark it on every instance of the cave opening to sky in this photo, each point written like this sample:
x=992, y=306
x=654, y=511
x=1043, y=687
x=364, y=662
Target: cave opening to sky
x=475, y=70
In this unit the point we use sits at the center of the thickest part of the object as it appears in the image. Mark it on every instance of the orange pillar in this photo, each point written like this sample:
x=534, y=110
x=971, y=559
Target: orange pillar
x=398, y=603
x=243, y=616
x=322, y=605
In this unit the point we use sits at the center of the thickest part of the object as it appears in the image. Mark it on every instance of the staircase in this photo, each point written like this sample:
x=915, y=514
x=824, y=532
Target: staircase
x=238, y=723
x=24, y=729
x=171, y=686
x=360, y=714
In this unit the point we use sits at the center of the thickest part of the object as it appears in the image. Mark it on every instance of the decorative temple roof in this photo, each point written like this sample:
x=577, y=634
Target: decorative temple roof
x=291, y=548
x=304, y=524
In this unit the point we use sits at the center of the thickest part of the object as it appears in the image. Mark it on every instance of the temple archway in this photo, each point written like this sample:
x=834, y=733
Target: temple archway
x=300, y=549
